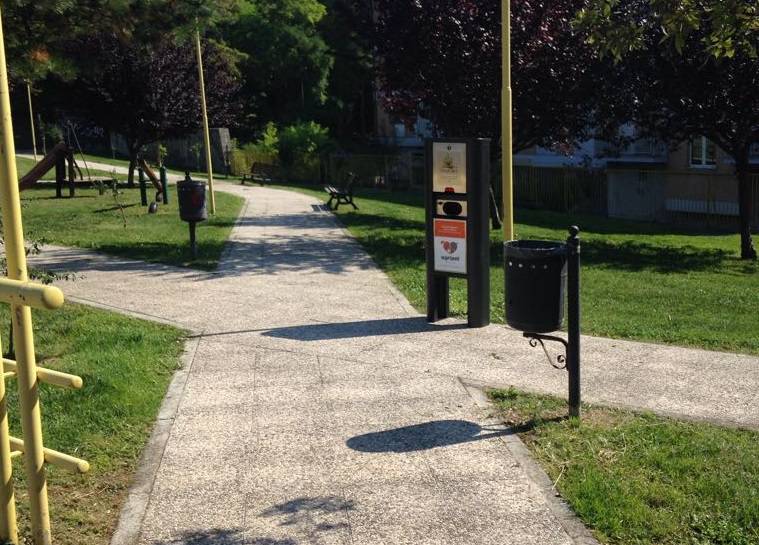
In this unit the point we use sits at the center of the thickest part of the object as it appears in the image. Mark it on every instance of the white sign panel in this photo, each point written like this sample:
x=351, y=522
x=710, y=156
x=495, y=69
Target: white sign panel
x=448, y=168
x=450, y=245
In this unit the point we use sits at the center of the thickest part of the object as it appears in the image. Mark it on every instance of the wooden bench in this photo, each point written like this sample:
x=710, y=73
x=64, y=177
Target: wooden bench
x=260, y=173
x=343, y=195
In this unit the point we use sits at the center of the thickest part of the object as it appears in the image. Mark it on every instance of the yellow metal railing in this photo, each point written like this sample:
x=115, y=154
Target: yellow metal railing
x=22, y=296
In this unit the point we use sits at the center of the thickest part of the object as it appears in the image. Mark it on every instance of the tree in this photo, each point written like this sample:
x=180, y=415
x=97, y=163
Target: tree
x=684, y=86
x=347, y=31
x=444, y=56
x=724, y=27
x=287, y=62
x=37, y=32
x=147, y=92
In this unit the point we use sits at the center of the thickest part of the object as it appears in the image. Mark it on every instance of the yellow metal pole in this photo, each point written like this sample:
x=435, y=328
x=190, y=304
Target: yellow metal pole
x=31, y=119
x=8, y=529
x=21, y=317
x=206, y=131
x=507, y=161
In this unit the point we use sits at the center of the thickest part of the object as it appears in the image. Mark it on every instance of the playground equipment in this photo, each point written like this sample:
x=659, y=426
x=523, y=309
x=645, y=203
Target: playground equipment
x=22, y=296
x=60, y=158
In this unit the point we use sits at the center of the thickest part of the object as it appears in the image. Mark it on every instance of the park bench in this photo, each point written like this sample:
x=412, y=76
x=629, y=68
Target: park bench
x=342, y=195
x=260, y=173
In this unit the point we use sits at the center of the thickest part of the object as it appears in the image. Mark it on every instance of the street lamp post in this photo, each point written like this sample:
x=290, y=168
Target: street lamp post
x=507, y=162
x=206, y=130
x=31, y=119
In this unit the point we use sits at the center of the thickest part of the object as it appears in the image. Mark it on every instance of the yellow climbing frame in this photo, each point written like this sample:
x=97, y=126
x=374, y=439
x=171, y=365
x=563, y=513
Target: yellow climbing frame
x=22, y=296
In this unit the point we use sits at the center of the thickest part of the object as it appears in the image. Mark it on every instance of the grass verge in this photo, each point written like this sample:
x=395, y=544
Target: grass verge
x=95, y=222
x=126, y=365
x=638, y=478
x=640, y=281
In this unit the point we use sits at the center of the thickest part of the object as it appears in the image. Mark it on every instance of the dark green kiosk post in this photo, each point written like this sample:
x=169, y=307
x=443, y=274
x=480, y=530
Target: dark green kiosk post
x=457, y=220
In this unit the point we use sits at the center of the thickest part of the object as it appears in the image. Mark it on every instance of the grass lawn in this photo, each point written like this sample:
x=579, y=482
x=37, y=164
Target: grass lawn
x=126, y=365
x=641, y=281
x=94, y=221
x=638, y=478
x=24, y=165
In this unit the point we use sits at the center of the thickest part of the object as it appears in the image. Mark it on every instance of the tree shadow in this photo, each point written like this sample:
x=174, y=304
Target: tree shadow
x=640, y=256
x=297, y=509
x=362, y=219
x=440, y=433
x=216, y=536
x=602, y=225
x=113, y=208
x=313, y=518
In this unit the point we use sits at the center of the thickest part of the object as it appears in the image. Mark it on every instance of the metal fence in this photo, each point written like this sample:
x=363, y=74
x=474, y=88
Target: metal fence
x=393, y=171
x=560, y=189
x=690, y=197
x=686, y=197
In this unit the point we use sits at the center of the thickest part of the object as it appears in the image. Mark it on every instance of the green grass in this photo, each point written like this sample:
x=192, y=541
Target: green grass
x=24, y=165
x=94, y=221
x=126, y=365
x=640, y=281
x=637, y=478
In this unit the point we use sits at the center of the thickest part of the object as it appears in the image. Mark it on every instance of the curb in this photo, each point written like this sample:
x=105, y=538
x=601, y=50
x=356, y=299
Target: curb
x=569, y=521
x=137, y=499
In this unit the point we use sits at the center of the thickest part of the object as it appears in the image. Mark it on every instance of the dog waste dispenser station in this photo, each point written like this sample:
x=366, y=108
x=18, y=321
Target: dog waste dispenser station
x=537, y=275
x=192, y=206
x=457, y=221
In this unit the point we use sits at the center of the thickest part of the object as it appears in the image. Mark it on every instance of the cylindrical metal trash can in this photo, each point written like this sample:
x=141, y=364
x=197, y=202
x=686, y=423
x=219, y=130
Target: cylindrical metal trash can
x=535, y=276
x=192, y=200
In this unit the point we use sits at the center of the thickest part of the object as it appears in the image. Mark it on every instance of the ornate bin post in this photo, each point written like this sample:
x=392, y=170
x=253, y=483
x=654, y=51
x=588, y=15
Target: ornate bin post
x=538, y=275
x=192, y=206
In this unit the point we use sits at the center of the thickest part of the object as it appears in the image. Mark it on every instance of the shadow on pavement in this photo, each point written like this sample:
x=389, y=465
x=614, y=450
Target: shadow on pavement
x=367, y=328
x=439, y=433
x=216, y=536
x=313, y=518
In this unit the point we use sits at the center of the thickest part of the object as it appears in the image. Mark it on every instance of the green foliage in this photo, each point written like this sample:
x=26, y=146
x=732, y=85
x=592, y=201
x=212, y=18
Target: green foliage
x=269, y=142
x=302, y=140
x=726, y=26
x=298, y=149
x=639, y=478
x=288, y=63
x=37, y=31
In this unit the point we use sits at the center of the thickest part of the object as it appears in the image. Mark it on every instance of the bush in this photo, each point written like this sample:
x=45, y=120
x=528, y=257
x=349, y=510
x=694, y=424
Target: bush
x=301, y=149
x=298, y=149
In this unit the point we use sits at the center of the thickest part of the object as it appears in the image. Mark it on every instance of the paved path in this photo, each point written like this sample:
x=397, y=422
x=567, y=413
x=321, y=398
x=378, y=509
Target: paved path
x=321, y=408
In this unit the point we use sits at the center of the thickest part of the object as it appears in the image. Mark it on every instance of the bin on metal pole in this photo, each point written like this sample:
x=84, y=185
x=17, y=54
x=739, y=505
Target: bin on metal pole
x=192, y=206
x=538, y=276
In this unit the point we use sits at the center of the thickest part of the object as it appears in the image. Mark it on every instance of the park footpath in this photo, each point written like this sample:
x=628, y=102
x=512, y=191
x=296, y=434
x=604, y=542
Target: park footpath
x=316, y=406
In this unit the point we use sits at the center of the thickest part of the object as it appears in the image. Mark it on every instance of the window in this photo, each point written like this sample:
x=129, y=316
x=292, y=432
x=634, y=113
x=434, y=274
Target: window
x=754, y=150
x=703, y=153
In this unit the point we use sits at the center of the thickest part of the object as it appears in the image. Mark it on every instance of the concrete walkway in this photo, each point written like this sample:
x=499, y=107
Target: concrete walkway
x=321, y=408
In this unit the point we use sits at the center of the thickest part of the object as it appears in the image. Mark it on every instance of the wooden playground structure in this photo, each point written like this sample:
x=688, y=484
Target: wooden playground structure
x=69, y=174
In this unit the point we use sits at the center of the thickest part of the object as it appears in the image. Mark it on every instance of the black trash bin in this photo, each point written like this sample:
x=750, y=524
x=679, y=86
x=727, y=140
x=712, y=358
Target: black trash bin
x=535, y=274
x=192, y=200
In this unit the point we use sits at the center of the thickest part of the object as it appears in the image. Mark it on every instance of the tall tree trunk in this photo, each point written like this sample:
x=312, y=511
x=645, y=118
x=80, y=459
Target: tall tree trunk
x=745, y=206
